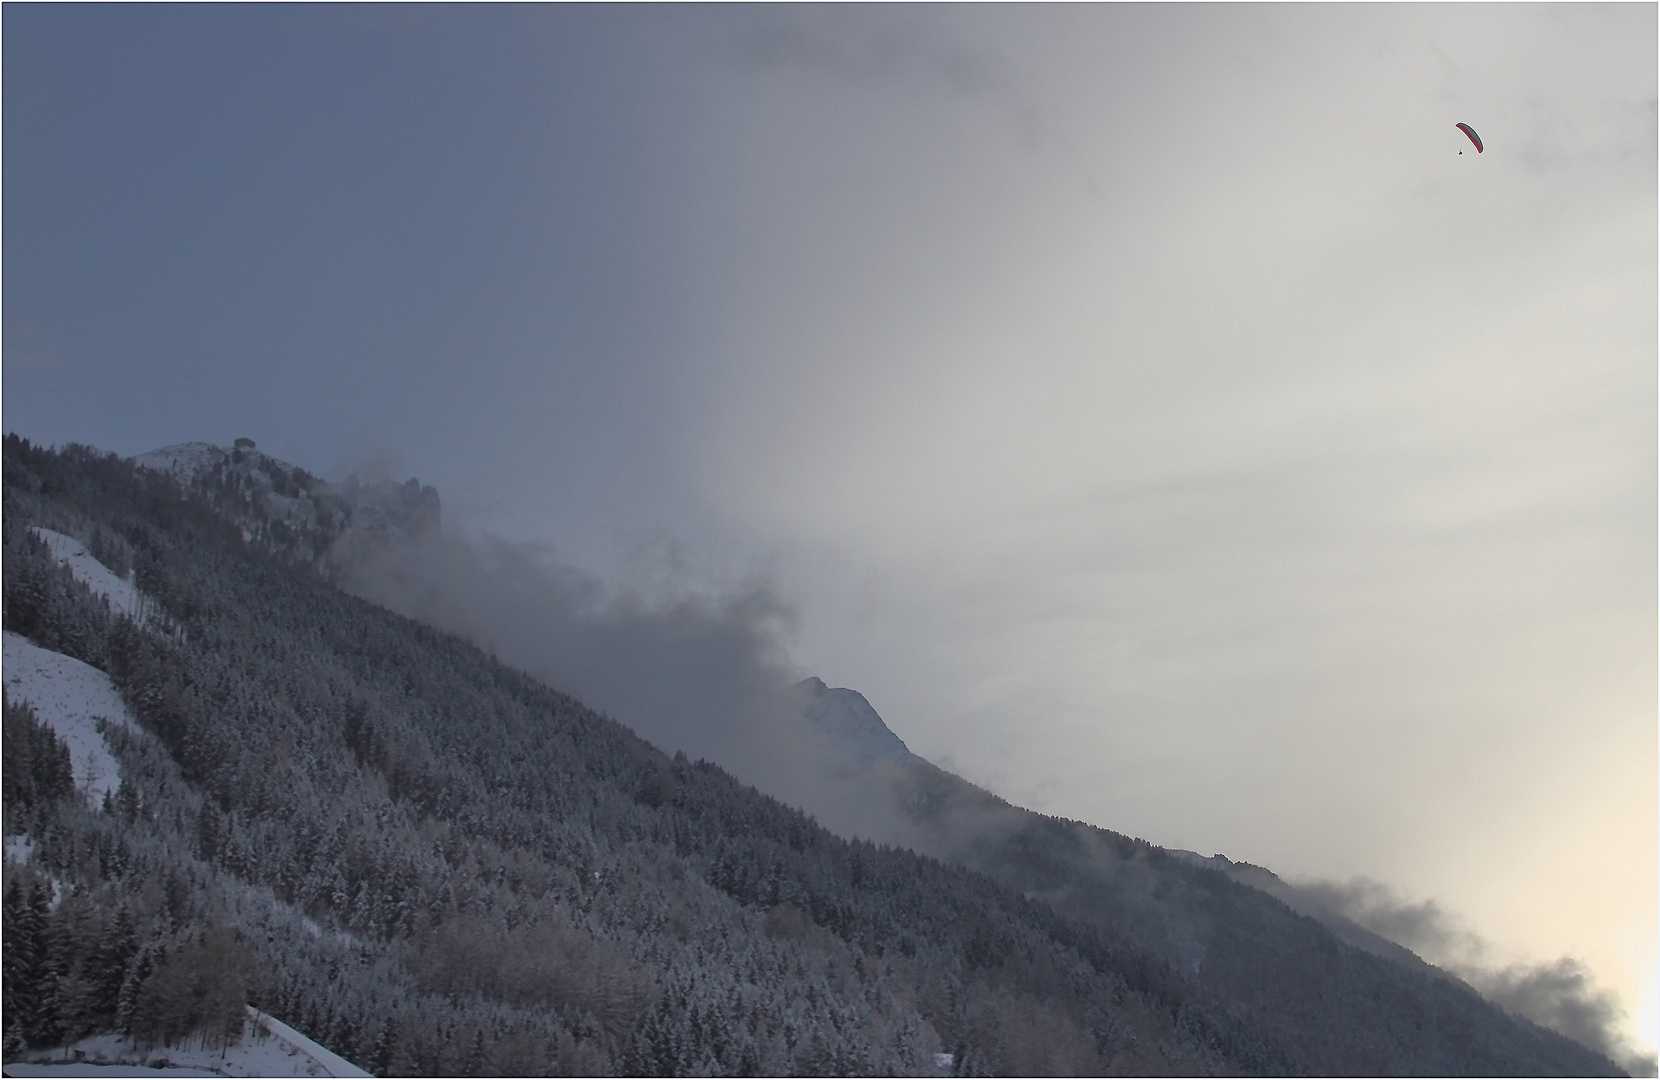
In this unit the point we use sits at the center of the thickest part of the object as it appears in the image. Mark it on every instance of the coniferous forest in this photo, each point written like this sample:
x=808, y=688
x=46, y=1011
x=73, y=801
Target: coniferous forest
x=434, y=865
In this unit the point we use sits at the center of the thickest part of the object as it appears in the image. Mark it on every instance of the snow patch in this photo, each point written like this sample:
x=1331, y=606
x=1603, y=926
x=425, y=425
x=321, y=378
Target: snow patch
x=186, y=461
x=69, y=697
x=122, y=594
x=94, y=1069
x=268, y=1047
x=19, y=849
x=183, y=461
x=851, y=724
x=331, y=1063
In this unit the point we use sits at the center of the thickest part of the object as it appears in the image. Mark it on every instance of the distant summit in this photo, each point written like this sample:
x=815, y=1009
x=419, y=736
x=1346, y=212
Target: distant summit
x=1085, y=872
x=186, y=461
x=848, y=720
x=287, y=510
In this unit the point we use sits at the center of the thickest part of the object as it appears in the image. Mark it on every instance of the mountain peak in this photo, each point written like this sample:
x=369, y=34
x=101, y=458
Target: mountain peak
x=290, y=511
x=848, y=719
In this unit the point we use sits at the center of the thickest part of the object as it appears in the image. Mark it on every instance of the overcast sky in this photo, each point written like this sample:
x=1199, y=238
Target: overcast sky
x=1149, y=409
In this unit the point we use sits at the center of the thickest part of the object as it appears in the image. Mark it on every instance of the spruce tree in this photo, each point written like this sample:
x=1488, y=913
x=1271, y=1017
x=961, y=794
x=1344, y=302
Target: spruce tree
x=40, y=1012
x=20, y=958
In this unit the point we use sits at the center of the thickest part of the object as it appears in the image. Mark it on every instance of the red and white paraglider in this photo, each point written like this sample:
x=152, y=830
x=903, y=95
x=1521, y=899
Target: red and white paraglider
x=1471, y=132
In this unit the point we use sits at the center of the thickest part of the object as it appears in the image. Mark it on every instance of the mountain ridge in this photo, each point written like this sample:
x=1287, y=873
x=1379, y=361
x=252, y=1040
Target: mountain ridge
x=447, y=821
x=848, y=719
x=930, y=805
x=294, y=513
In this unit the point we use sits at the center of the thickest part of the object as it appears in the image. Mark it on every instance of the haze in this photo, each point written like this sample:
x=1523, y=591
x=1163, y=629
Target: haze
x=1149, y=409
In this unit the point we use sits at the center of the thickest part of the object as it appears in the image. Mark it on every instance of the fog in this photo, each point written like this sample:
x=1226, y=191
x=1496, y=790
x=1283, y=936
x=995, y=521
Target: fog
x=1562, y=994
x=706, y=674
x=691, y=672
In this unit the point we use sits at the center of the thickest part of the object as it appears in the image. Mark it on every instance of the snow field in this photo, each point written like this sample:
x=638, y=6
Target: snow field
x=123, y=595
x=69, y=697
x=183, y=460
x=19, y=849
x=268, y=1047
x=332, y=1064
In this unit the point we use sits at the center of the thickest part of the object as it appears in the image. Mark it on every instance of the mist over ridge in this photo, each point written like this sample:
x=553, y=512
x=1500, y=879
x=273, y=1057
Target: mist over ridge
x=416, y=840
x=706, y=674
x=1159, y=414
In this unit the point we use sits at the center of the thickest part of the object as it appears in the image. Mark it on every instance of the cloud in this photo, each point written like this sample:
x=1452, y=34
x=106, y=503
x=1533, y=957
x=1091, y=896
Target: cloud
x=370, y=463
x=1421, y=926
x=689, y=671
x=898, y=48
x=704, y=671
x=687, y=668
x=1561, y=995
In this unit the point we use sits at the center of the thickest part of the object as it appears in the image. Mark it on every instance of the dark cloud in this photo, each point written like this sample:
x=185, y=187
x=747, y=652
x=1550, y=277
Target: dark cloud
x=1421, y=926
x=1564, y=997
x=1561, y=995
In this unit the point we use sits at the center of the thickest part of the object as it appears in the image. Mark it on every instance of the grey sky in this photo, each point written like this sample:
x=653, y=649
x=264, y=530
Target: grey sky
x=1148, y=408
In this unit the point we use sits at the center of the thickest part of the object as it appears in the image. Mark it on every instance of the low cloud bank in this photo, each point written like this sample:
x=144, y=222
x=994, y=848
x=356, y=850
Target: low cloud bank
x=706, y=674
x=691, y=672
x=686, y=669
x=1560, y=995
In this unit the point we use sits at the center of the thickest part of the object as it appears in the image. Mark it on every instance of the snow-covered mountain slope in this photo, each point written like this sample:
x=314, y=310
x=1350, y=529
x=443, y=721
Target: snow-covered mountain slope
x=184, y=461
x=288, y=510
x=947, y=801
x=69, y=697
x=397, y=784
x=272, y=500
x=331, y=1063
x=848, y=720
x=1306, y=902
x=268, y=1047
x=123, y=595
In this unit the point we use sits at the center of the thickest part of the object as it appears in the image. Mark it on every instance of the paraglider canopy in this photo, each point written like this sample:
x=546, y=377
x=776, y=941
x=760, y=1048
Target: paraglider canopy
x=1471, y=132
